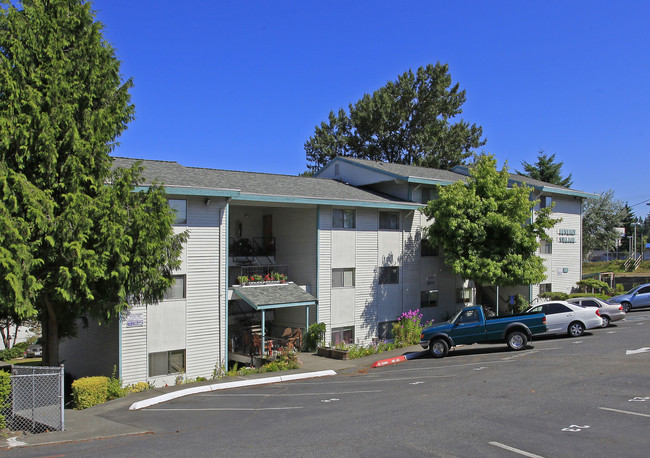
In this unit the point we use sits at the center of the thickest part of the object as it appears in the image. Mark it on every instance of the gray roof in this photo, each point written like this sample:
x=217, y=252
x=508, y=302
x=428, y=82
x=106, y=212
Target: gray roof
x=407, y=172
x=255, y=186
x=274, y=296
x=412, y=173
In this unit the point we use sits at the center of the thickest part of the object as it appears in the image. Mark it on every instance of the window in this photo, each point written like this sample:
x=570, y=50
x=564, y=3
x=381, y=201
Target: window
x=463, y=295
x=343, y=335
x=429, y=298
x=555, y=308
x=468, y=316
x=546, y=247
x=644, y=290
x=544, y=288
x=342, y=277
x=427, y=194
x=343, y=219
x=180, y=207
x=166, y=362
x=388, y=275
x=388, y=220
x=385, y=330
x=427, y=250
x=177, y=289
x=545, y=202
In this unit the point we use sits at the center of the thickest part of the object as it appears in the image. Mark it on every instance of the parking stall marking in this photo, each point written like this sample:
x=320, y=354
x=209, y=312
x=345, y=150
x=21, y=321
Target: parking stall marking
x=288, y=394
x=639, y=399
x=640, y=350
x=625, y=412
x=515, y=450
x=218, y=409
x=575, y=428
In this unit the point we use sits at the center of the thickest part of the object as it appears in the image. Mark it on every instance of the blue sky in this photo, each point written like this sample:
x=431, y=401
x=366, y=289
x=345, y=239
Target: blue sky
x=241, y=85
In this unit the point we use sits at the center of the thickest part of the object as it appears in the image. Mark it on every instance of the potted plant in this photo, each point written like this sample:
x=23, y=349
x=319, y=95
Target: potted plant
x=243, y=280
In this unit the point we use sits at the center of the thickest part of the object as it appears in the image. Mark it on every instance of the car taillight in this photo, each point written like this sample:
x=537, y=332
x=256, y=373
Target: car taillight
x=621, y=308
x=544, y=320
x=597, y=312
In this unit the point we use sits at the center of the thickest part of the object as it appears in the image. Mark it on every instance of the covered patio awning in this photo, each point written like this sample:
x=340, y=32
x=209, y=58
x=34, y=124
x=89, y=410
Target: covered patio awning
x=264, y=297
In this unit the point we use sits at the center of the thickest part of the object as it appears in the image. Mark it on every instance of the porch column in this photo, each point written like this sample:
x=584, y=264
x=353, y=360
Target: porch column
x=497, y=300
x=263, y=349
x=307, y=322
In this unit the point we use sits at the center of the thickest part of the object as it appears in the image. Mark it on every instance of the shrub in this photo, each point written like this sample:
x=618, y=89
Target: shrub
x=89, y=391
x=201, y=379
x=521, y=304
x=315, y=336
x=554, y=296
x=604, y=297
x=408, y=328
x=593, y=285
x=5, y=391
x=139, y=387
x=285, y=360
x=114, y=389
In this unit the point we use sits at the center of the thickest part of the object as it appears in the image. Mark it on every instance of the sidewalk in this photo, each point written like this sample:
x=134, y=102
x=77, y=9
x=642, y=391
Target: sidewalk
x=93, y=423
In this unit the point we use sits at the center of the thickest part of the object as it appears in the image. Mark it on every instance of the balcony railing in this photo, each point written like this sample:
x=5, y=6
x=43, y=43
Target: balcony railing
x=255, y=246
x=249, y=271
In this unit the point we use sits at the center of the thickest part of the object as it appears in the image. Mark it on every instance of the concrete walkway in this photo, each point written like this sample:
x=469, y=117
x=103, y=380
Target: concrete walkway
x=92, y=423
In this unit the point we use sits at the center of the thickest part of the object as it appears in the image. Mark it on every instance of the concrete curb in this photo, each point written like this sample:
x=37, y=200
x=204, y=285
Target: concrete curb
x=225, y=386
x=398, y=359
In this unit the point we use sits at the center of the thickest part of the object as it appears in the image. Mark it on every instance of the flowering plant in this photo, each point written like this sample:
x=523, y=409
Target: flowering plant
x=408, y=328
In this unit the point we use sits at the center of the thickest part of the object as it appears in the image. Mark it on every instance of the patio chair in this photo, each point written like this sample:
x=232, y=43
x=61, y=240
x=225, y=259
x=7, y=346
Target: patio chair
x=257, y=344
x=296, y=336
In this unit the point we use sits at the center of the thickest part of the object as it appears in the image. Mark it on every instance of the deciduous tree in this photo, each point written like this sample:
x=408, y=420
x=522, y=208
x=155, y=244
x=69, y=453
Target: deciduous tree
x=600, y=218
x=412, y=120
x=484, y=228
x=76, y=241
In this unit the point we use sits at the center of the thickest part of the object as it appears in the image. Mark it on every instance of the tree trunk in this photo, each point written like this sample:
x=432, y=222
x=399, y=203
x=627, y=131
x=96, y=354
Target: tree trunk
x=50, y=336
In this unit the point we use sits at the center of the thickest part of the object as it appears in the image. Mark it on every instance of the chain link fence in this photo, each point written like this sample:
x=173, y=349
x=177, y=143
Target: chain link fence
x=36, y=401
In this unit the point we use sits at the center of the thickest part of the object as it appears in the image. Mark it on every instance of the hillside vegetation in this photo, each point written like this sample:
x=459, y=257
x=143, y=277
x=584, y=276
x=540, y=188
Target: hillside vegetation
x=614, y=266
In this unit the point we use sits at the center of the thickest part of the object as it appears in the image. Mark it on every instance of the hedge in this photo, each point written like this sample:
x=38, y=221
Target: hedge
x=5, y=391
x=89, y=391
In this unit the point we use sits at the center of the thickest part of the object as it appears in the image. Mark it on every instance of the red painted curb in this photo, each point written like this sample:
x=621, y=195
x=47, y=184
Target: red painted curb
x=385, y=362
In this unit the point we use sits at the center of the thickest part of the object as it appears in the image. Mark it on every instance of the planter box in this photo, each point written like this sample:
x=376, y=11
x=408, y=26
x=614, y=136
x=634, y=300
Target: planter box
x=333, y=353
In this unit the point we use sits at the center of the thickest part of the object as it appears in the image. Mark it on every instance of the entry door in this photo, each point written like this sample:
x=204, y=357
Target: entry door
x=267, y=234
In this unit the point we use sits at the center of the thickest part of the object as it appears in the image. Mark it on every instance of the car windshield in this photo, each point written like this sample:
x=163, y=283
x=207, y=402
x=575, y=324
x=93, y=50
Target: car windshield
x=455, y=317
x=632, y=290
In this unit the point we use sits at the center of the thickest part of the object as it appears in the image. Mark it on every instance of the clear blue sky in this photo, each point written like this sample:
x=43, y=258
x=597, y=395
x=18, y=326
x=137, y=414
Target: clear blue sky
x=241, y=85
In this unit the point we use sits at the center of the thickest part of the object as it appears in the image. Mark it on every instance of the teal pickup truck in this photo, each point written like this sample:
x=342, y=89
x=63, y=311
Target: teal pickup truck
x=471, y=325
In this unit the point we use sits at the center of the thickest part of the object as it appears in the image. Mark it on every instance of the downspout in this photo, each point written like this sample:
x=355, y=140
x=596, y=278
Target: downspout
x=225, y=220
x=317, y=260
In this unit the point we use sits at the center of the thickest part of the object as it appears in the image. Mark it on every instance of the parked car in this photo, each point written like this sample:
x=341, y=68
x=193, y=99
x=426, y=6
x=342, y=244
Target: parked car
x=471, y=325
x=34, y=350
x=562, y=317
x=608, y=312
x=637, y=297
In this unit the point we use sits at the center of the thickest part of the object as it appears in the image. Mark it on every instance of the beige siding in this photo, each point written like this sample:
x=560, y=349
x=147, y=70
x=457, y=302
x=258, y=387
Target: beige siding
x=205, y=268
x=325, y=267
x=95, y=350
x=366, y=276
x=134, y=347
x=411, y=276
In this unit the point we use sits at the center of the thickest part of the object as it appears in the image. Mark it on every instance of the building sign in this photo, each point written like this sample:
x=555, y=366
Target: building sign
x=134, y=319
x=565, y=235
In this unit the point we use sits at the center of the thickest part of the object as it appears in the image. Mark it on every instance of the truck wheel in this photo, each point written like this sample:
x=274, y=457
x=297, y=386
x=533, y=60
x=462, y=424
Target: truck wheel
x=517, y=340
x=576, y=329
x=438, y=348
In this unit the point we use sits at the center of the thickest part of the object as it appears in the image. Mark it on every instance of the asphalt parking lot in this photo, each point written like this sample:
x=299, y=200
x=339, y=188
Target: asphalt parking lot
x=587, y=396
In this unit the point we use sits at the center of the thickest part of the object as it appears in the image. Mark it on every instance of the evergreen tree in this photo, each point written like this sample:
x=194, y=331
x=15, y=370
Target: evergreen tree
x=71, y=246
x=547, y=170
x=484, y=228
x=408, y=121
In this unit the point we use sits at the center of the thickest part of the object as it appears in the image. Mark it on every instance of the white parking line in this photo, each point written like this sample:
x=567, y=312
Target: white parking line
x=221, y=395
x=516, y=450
x=223, y=409
x=626, y=412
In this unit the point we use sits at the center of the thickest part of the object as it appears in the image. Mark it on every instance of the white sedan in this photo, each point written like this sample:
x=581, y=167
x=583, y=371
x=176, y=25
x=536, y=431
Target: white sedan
x=562, y=317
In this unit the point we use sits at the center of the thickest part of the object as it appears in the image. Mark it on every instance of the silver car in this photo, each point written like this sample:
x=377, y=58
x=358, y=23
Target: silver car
x=608, y=312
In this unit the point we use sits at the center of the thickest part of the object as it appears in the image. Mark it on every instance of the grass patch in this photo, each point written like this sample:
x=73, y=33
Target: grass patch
x=613, y=266
x=26, y=361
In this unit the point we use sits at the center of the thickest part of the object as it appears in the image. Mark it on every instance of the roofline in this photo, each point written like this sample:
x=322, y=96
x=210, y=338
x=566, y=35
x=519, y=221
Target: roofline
x=193, y=191
x=320, y=201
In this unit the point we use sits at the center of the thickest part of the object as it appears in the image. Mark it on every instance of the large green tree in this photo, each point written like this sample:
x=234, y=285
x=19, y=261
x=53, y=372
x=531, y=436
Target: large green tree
x=75, y=240
x=484, y=228
x=412, y=120
x=547, y=170
x=600, y=218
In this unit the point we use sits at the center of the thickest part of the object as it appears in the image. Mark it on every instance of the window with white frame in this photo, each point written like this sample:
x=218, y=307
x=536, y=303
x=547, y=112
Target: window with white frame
x=343, y=335
x=177, y=289
x=166, y=362
x=388, y=275
x=545, y=288
x=180, y=208
x=343, y=219
x=388, y=220
x=342, y=278
x=429, y=298
x=546, y=247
